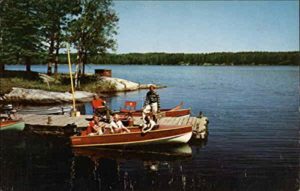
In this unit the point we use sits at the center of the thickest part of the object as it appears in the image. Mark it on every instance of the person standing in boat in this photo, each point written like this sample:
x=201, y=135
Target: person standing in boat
x=97, y=103
x=99, y=107
x=117, y=126
x=151, y=104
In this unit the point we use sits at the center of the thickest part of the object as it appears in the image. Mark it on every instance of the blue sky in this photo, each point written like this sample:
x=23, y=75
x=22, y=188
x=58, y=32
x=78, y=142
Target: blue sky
x=207, y=26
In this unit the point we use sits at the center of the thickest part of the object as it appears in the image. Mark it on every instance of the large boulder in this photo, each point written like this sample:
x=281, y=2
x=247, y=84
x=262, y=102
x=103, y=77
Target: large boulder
x=42, y=97
x=121, y=84
x=45, y=97
x=125, y=85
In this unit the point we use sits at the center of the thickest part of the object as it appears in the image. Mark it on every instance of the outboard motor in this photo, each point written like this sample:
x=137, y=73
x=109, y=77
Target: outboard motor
x=8, y=107
x=9, y=110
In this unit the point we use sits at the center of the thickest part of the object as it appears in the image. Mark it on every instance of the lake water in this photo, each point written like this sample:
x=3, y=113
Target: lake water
x=253, y=141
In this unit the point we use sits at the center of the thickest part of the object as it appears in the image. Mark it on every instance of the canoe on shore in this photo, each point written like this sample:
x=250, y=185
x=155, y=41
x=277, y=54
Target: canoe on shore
x=12, y=125
x=161, y=135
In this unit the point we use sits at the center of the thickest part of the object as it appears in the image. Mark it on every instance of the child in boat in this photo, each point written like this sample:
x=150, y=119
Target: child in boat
x=149, y=124
x=94, y=127
x=117, y=125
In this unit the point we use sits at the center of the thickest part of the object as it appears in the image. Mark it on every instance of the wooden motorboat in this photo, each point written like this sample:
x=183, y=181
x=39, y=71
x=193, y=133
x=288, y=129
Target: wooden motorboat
x=14, y=125
x=176, y=111
x=161, y=135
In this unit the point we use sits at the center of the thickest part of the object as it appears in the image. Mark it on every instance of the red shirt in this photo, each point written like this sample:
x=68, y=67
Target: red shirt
x=97, y=103
x=90, y=128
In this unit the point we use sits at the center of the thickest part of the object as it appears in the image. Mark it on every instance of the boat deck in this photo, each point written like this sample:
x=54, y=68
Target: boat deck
x=52, y=124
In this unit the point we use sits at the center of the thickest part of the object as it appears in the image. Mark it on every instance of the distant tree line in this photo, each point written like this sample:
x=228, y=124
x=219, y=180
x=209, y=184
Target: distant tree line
x=222, y=58
x=34, y=31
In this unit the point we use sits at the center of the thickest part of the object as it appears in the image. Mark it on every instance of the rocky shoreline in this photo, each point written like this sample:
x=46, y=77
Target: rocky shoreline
x=43, y=97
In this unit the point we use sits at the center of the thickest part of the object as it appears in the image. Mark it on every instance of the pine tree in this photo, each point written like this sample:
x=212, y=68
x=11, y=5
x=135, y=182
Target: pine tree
x=92, y=32
x=20, y=34
x=55, y=15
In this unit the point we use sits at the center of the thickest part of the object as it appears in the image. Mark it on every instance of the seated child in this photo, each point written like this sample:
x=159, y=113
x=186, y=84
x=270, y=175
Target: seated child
x=94, y=127
x=117, y=125
x=149, y=124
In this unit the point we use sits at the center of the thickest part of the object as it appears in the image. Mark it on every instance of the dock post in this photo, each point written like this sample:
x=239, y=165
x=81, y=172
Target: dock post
x=49, y=121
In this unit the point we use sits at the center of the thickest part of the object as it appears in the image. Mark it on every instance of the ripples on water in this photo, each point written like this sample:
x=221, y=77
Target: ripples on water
x=253, y=142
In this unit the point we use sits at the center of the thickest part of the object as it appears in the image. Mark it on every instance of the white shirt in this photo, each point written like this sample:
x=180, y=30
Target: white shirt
x=117, y=124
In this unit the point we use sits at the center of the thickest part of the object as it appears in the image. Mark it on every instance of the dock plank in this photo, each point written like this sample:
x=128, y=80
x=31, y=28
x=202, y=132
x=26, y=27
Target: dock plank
x=185, y=120
x=180, y=120
x=161, y=120
x=195, y=124
x=196, y=121
x=164, y=121
x=171, y=121
x=191, y=121
x=174, y=121
x=38, y=120
x=59, y=120
x=137, y=120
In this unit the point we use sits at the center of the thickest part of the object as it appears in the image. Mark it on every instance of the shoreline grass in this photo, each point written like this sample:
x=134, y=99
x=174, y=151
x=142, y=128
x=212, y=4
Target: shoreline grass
x=59, y=83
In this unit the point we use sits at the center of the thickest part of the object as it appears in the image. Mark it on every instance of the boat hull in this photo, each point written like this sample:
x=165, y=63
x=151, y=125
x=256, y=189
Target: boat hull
x=12, y=125
x=162, y=135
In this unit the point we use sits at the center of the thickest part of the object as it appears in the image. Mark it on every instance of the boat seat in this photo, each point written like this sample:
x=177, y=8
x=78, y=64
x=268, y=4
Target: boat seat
x=83, y=133
x=129, y=107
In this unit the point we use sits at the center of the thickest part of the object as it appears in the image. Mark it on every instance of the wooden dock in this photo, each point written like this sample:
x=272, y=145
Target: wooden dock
x=55, y=120
x=53, y=124
x=200, y=125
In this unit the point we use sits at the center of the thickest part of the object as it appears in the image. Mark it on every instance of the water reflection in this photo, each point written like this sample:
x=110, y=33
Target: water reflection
x=47, y=163
x=116, y=168
x=160, y=152
x=33, y=162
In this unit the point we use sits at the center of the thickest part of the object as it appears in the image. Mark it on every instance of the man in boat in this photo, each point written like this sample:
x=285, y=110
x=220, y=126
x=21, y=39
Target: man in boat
x=99, y=107
x=94, y=127
x=151, y=104
x=117, y=126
